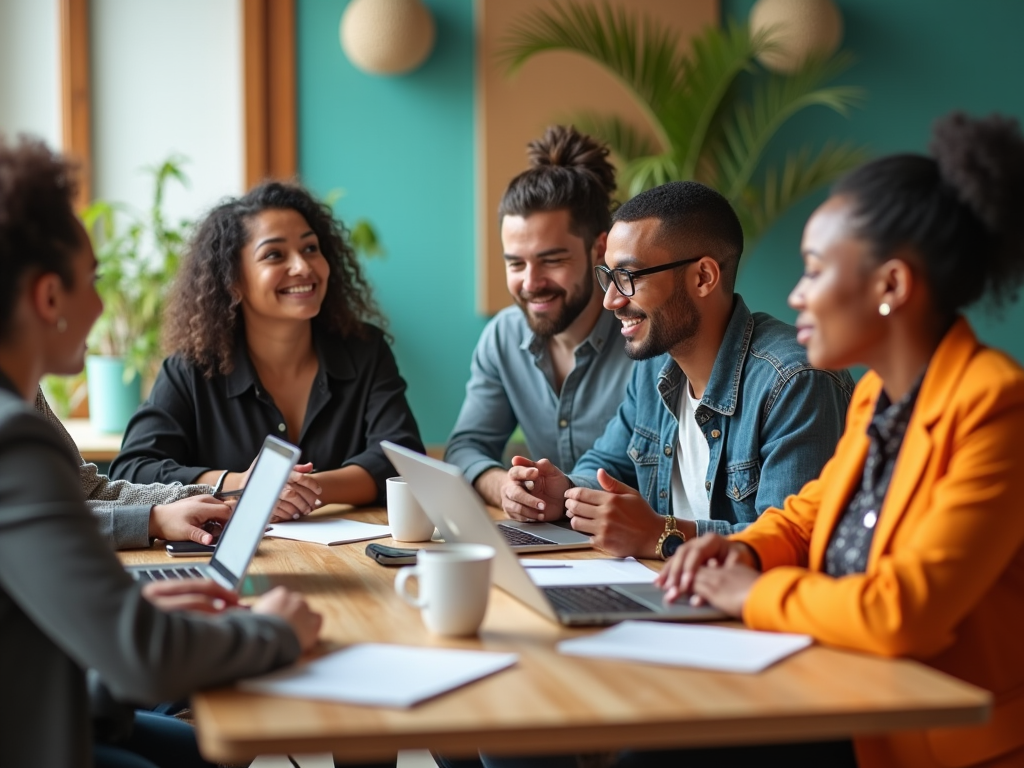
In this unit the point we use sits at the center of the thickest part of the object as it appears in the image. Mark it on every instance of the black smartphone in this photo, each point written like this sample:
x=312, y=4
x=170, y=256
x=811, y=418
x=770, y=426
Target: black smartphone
x=391, y=555
x=189, y=549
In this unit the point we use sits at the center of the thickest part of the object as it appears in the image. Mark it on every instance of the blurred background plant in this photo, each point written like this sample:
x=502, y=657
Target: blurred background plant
x=138, y=254
x=712, y=111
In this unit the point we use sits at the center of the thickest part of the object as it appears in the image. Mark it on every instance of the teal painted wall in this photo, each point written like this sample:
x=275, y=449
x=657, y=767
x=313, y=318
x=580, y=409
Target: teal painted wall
x=918, y=60
x=402, y=148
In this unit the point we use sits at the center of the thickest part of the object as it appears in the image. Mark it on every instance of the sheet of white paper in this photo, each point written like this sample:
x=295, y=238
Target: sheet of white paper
x=327, y=531
x=579, y=573
x=682, y=645
x=381, y=675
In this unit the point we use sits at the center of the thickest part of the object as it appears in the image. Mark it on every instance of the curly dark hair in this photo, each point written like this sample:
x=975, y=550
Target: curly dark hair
x=568, y=171
x=204, y=323
x=962, y=209
x=38, y=228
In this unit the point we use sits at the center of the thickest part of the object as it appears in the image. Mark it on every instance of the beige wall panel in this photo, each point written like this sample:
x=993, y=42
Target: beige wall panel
x=550, y=87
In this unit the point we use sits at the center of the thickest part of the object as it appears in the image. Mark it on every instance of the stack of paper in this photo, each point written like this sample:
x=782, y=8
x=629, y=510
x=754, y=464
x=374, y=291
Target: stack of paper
x=381, y=675
x=728, y=650
x=327, y=531
x=587, y=573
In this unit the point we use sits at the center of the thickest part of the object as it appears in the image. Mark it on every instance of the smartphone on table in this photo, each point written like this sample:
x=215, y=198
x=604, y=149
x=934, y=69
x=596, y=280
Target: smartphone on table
x=189, y=549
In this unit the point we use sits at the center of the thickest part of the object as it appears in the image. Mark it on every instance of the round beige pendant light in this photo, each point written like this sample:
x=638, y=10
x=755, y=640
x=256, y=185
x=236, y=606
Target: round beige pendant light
x=799, y=27
x=387, y=37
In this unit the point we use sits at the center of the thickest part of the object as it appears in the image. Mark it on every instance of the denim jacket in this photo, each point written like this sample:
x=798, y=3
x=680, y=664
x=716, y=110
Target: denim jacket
x=770, y=419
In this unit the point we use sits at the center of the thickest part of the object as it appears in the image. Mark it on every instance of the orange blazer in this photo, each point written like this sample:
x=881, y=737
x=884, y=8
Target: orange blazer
x=945, y=576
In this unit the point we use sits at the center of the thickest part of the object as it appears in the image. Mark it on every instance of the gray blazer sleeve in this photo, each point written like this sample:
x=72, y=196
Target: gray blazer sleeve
x=121, y=508
x=58, y=571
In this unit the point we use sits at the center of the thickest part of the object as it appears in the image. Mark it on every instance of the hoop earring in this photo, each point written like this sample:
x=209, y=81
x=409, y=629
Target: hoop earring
x=62, y=325
x=884, y=309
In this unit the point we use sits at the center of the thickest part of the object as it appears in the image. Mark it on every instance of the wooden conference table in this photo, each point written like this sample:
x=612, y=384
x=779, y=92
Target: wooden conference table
x=548, y=702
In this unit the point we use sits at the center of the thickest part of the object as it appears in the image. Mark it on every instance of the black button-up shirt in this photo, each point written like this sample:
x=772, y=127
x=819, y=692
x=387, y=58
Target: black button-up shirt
x=191, y=424
x=850, y=544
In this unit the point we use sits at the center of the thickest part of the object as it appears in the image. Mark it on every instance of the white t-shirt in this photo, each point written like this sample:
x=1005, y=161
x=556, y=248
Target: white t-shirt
x=689, y=498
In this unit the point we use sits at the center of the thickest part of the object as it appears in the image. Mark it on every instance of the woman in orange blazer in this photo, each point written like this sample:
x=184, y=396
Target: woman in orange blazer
x=911, y=542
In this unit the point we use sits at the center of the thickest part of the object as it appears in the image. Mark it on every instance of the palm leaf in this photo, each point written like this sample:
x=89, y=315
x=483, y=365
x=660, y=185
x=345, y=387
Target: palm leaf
x=651, y=171
x=776, y=99
x=717, y=59
x=642, y=54
x=800, y=174
x=625, y=140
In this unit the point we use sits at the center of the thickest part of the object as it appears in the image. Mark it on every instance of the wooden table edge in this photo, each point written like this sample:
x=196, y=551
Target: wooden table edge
x=602, y=737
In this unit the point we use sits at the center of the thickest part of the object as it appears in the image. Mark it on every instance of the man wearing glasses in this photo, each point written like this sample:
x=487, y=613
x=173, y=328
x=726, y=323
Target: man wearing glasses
x=553, y=364
x=723, y=416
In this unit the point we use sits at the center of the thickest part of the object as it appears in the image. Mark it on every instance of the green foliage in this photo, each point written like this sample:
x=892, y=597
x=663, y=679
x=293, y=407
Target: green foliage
x=362, y=236
x=138, y=256
x=713, y=110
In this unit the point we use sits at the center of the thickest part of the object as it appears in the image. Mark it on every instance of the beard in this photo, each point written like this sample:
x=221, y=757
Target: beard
x=547, y=325
x=675, y=323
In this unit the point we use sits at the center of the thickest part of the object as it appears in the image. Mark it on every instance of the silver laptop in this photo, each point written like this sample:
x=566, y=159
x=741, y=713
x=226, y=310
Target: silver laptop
x=456, y=509
x=242, y=534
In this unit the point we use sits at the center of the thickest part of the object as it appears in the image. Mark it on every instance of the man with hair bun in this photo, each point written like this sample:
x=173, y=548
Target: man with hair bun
x=723, y=417
x=551, y=364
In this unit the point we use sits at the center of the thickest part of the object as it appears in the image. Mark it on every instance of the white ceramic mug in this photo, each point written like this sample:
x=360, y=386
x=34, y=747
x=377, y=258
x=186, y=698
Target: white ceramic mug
x=454, y=584
x=406, y=518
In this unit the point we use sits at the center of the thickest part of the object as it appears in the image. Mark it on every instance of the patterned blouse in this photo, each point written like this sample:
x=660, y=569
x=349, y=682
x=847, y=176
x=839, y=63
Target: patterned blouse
x=848, y=549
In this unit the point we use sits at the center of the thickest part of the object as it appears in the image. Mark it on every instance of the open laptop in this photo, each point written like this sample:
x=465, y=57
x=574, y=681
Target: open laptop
x=456, y=509
x=242, y=534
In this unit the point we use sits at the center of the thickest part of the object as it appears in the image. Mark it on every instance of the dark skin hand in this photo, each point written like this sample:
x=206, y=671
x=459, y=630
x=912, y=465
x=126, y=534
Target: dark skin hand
x=711, y=570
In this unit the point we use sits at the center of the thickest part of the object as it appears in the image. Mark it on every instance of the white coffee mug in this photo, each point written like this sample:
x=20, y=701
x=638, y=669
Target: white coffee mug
x=454, y=584
x=406, y=518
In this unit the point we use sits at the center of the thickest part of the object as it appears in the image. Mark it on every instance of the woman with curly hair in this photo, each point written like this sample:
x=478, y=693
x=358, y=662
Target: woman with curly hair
x=911, y=542
x=269, y=326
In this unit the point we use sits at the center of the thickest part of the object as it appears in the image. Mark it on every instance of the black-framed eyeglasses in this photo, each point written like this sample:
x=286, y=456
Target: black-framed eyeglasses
x=624, y=278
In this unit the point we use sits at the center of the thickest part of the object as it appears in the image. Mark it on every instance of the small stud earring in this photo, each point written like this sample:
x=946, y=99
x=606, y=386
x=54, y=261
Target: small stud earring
x=884, y=309
x=62, y=325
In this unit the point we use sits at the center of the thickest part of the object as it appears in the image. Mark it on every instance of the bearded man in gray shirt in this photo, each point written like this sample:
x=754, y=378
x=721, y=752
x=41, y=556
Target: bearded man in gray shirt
x=554, y=364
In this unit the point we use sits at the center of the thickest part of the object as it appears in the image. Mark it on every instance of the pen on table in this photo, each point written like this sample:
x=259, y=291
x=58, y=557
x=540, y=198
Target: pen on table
x=545, y=565
x=238, y=491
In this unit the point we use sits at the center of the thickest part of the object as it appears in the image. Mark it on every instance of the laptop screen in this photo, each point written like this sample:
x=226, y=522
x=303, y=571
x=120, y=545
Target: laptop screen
x=244, y=531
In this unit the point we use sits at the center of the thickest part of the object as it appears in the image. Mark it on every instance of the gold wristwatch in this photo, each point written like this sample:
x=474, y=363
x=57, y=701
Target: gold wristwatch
x=670, y=540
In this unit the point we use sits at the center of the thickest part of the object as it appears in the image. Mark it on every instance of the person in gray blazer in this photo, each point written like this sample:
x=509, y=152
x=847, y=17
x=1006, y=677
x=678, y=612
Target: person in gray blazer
x=66, y=604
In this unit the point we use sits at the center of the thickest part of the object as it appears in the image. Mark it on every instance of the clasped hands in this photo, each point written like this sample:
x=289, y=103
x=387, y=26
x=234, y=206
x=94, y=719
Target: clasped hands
x=617, y=518
x=710, y=569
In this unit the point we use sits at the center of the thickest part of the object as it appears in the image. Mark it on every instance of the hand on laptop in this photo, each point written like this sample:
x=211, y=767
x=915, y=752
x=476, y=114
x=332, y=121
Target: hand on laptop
x=618, y=518
x=292, y=607
x=713, y=570
x=182, y=520
x=201, y=595
x=534, y=491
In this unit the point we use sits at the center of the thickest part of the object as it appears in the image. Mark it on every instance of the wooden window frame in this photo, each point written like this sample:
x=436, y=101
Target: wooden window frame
x=268, y=81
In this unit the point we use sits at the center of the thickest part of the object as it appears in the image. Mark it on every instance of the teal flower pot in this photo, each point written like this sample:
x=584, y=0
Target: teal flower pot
x=111, y=401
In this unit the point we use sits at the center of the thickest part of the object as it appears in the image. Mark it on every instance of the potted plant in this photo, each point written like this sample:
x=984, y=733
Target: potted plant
x=138, y=255
x=713, y=110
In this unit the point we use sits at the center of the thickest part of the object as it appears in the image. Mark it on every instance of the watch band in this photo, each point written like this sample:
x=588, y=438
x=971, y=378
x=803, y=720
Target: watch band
x=670, y=530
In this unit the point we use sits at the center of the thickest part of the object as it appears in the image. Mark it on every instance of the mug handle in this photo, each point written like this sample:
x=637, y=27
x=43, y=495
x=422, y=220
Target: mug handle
x=403, y=575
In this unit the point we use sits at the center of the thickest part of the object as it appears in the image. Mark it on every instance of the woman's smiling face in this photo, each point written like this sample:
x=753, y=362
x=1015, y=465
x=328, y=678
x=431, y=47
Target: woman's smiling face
x=838, y=295
x=283, y=273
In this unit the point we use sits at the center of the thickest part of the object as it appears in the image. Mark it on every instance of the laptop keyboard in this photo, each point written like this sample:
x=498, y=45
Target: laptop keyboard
x=162, y=574
x=592, y=600
x=516, y=537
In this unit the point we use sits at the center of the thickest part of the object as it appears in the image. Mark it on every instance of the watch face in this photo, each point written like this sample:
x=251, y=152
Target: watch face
x=671, y=544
